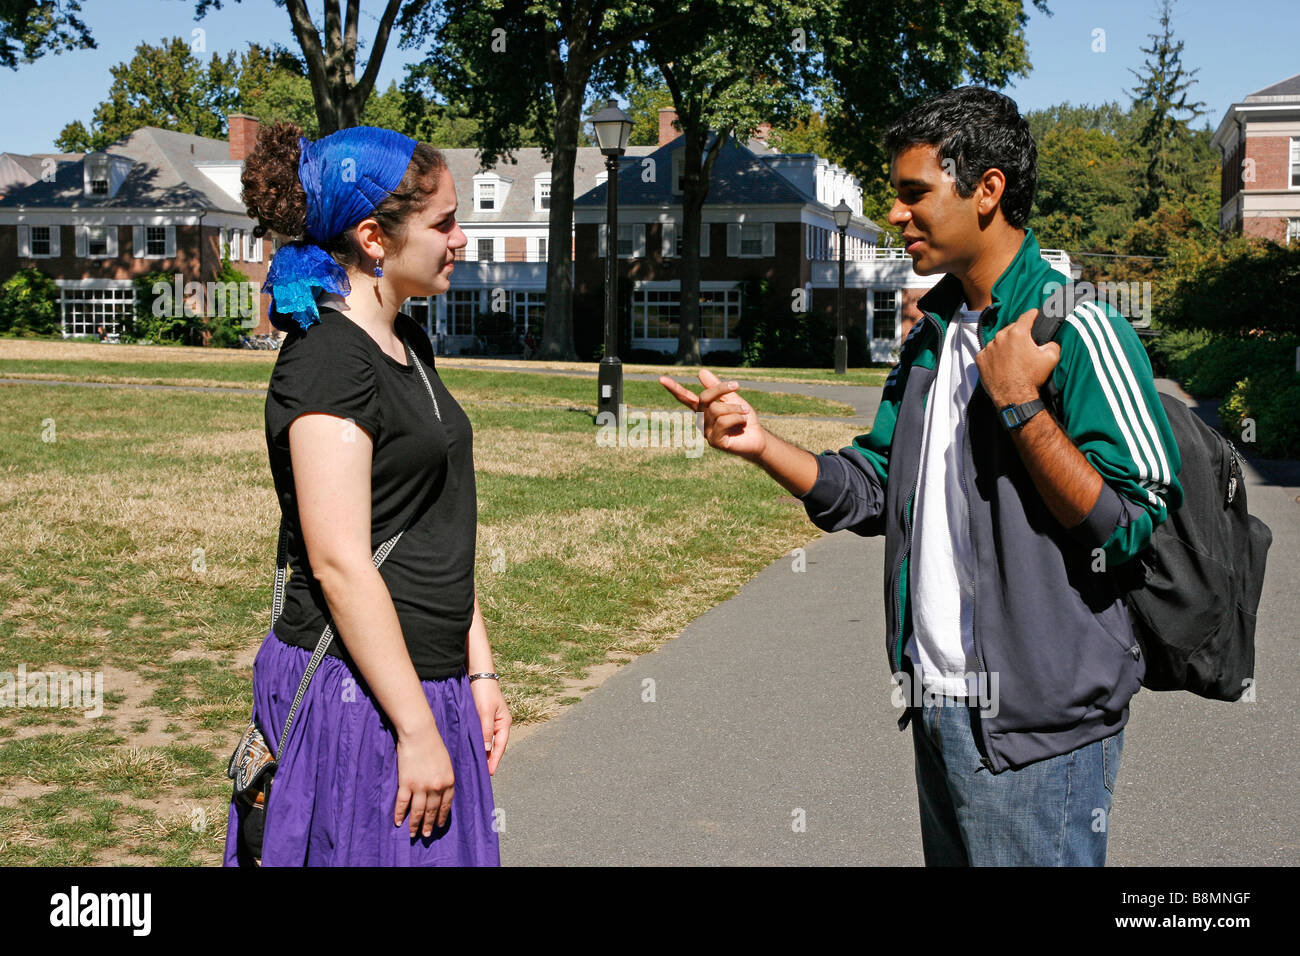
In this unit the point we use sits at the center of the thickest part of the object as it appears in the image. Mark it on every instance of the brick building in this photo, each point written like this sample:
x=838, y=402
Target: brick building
x=165, y=201
x=1259, y=140
x=769, y=241
x=156, y=200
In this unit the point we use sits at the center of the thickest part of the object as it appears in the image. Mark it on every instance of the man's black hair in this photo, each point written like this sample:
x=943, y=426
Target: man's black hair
x=978, y=129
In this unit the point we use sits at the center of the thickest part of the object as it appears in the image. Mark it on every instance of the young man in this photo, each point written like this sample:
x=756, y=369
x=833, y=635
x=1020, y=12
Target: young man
x=1004, y=527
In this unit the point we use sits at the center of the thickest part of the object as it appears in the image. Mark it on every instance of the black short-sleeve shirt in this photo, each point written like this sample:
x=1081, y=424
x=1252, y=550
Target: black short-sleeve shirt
x=422, y=469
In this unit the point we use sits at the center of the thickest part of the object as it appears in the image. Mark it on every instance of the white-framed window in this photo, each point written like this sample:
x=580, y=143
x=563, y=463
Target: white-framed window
x=84, y=310
x=751, y=240
x=719, y=313
x=529, y=311
x=542, y=194
x=462, y=306
x=484, y=249
x=96, y=242
x=153, y=242
x=43, y=241
x=236, y=242
x=1292, y=231
x=631, y=240
x=656, y=313
x=672, y=245
x=884, y=313
x=251, y=246
x=541, y=249
x=96, y=176
x=1295, y=162
x=485, y=196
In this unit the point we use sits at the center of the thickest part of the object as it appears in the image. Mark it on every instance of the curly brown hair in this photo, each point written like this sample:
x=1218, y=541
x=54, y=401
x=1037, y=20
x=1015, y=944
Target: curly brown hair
x=274, y=197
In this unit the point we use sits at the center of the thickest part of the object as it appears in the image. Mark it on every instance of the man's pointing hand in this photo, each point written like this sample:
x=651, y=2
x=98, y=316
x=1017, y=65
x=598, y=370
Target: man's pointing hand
x=730, y=422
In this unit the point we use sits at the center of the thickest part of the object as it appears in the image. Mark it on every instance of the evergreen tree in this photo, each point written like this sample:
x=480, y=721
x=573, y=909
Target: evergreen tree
x=1162, y=86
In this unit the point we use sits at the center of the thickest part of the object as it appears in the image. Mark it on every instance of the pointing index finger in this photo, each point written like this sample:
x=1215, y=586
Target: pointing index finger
x=679, y=392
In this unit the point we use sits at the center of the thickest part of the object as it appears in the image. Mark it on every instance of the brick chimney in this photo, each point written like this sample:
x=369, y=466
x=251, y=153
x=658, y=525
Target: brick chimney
x=243, y=134
x=667, y=133
x=763, y=132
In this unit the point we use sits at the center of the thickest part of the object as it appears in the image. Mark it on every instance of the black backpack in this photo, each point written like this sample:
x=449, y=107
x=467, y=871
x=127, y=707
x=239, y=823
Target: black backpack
x=1193, y=592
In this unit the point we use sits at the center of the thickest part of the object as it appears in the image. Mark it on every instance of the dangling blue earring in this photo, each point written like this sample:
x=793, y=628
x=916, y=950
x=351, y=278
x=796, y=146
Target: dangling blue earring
x=379, y=272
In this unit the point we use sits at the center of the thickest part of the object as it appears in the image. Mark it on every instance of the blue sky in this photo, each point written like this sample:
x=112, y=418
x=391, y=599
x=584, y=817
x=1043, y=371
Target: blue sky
x=1239, y=48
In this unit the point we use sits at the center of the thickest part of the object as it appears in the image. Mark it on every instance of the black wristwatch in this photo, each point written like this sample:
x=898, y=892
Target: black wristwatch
x=1014, y=416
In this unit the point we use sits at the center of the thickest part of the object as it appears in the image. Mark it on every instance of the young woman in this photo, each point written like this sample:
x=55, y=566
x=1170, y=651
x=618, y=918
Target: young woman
x=404, y=712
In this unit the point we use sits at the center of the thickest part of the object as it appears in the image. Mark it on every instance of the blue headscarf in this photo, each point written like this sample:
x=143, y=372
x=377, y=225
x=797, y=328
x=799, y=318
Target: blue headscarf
x=345, y=175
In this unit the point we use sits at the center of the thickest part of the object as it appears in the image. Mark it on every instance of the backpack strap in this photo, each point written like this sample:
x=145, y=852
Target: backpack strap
x=1048, y=323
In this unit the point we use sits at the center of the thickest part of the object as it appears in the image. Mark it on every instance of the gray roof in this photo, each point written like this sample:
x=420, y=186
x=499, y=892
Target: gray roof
x=163, y=176
x=529, y=161
x=739, y=178
x=1288, y=89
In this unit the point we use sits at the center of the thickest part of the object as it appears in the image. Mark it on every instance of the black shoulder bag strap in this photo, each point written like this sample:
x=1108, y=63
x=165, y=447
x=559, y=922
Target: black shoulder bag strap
x=277, y=598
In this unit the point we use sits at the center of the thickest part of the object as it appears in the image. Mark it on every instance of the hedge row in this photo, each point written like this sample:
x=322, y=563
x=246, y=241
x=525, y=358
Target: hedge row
x=1254, y=376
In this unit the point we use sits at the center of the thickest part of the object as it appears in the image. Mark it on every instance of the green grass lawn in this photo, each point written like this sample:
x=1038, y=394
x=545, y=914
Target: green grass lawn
x=139, y=543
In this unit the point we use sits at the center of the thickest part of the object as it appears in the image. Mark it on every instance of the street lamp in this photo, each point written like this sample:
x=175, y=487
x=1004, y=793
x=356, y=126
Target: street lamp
x=842, y=214
x=613, y=127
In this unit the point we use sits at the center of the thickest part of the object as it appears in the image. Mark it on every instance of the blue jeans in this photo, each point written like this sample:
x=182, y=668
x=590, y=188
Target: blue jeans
x=1054, y=812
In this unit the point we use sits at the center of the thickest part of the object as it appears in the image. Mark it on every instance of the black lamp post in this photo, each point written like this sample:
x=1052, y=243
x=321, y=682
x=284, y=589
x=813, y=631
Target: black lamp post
x=842, y=214
x=613, y=127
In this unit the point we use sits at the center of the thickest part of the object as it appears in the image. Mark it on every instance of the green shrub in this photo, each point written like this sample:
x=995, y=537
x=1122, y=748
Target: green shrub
x=164, y=327
x=1270, y=398
x=29, y=304
x=1242, y=284
x=1210, y=365
x=227, y=330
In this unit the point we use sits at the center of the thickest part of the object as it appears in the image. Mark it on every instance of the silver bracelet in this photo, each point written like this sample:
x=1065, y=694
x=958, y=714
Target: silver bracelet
x=474, y=677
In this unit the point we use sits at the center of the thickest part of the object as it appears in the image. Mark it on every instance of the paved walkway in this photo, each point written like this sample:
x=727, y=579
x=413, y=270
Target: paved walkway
x=765, y=733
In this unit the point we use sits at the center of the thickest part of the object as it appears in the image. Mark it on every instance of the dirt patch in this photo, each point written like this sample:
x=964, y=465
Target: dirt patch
x=17, y=790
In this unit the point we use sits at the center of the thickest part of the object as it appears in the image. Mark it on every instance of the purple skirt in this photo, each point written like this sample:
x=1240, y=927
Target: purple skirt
x=335, y=785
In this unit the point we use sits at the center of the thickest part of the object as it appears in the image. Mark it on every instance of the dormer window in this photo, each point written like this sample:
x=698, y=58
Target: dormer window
x=490, y=190
x=96, y=171
x=542, y=194
x=679, y=168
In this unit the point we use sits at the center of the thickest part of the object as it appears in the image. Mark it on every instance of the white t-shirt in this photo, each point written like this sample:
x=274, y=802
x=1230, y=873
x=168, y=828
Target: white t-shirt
x=941, y=567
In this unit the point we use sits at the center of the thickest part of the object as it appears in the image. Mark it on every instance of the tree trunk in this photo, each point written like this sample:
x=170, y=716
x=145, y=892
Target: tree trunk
x=697, y=170
x=557, y=327
x=688, y=333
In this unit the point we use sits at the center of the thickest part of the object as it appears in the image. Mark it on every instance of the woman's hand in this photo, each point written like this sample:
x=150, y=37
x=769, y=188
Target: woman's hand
x=425, y=779
x=730, y=422
x=495, y=715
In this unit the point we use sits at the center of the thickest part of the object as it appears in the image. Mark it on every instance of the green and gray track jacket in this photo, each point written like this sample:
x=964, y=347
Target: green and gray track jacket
x=1052, y=633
